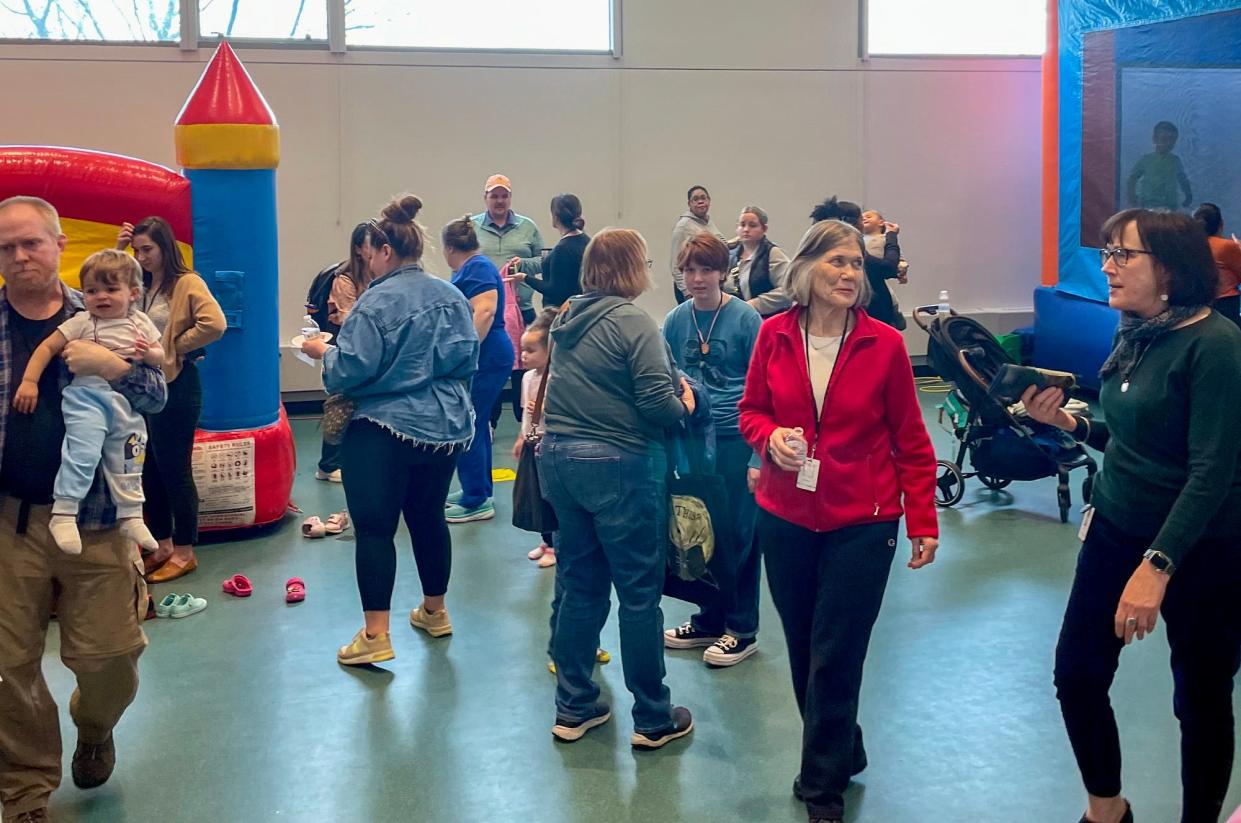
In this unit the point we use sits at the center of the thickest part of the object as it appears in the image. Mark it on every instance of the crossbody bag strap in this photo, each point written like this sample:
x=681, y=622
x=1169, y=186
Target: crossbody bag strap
x=537, y=414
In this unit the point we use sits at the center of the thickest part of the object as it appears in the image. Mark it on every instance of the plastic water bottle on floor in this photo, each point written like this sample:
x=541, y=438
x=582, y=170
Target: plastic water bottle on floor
x=943, y=309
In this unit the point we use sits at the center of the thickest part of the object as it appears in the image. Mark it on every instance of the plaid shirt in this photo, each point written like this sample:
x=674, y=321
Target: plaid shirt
x=143, y=386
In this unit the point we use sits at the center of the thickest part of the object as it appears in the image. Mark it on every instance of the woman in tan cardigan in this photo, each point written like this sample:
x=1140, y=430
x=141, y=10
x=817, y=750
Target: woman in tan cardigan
x=189, y=318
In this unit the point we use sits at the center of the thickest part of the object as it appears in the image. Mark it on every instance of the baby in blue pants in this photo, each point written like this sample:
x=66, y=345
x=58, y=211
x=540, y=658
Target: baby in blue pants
x=99, y=423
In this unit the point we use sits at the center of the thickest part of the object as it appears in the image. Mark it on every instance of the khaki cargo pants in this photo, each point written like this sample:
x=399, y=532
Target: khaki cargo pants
x=100, y=607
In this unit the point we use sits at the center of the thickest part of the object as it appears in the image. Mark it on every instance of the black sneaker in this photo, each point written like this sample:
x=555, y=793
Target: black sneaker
x=686, y=636
x=682, y=724
x=569, y=730
x=93, y=763
x=729, y=650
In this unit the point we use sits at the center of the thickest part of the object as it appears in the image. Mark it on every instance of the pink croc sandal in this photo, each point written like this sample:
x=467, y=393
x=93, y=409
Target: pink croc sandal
x=294, y=590
x=239, y=586
x=337, y=523
x=313, y=527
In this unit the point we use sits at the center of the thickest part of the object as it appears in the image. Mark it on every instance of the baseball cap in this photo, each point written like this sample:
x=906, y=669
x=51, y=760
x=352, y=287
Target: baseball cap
x=497, y=181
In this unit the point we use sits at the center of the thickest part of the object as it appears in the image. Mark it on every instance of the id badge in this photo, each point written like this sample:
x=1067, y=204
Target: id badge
x=808, y=475
x=1087, y=517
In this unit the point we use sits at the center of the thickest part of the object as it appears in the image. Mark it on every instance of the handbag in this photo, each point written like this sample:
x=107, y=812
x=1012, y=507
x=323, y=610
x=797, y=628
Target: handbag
x=530, y=511
x=337, y=412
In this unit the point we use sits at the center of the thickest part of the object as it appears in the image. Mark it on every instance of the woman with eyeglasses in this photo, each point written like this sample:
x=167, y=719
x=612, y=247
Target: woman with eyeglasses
x=712, y=336
x=1163, y=531
x=406, y=355
x=830, y=405
x=611, y=392
x=758, y=267
x=1227, y=256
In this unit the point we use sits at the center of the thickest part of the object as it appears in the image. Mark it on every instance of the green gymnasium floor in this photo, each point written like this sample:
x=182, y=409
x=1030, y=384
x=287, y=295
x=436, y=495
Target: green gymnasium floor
x=244, y=715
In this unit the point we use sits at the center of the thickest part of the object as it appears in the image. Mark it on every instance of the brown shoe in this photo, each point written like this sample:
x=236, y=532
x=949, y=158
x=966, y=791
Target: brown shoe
x=93, y=763
x=34, y=816
x=171, y=571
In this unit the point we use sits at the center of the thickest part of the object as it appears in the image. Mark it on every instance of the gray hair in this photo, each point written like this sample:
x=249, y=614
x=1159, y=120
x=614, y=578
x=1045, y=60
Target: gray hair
x=45, y=209
x=757, y=212
x=818, y=240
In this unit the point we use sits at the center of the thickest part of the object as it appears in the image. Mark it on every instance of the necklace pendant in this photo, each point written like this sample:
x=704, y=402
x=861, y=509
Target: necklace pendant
x=1124, y=387
x=704, y=347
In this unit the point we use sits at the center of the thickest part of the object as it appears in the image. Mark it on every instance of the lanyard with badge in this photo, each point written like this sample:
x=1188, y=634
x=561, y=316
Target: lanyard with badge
x=808, y=473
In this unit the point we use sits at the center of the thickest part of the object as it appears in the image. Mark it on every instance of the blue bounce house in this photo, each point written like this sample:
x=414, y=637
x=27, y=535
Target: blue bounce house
x=1112, y=72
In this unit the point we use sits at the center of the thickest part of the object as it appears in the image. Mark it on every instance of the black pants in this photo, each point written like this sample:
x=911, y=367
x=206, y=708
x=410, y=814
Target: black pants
x=386, y=477
x=827, y=588
x=1199, y=611
x=329, y=457
x=171, y=506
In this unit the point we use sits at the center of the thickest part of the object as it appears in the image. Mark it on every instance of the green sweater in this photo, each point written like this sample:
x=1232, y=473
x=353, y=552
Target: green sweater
x=1171, y=441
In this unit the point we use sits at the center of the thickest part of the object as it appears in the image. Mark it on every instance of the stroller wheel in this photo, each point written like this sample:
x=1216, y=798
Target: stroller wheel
x=995, y=483
x=949, y=484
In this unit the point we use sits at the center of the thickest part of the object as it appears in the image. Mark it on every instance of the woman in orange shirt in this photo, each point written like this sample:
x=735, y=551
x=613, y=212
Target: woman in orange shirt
x=1227, y=254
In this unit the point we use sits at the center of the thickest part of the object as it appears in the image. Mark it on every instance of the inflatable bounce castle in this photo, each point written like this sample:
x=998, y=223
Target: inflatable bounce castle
x=1111, y=74
x=223, y=212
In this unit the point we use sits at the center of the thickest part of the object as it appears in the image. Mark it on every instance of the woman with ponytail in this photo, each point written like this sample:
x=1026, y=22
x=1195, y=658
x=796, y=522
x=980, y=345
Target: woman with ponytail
x=562, y=270
x=406, y=355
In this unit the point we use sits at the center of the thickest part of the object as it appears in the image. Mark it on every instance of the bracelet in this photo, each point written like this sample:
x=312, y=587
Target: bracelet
x=1080, y=421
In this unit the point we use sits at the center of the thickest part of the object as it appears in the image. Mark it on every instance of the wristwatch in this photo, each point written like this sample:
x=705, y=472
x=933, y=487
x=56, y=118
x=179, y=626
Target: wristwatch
x=1160, y=562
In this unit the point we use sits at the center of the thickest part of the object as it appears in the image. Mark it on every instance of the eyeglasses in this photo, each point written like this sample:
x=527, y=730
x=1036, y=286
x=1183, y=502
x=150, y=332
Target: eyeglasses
x=650, y=263
x=1120, y=254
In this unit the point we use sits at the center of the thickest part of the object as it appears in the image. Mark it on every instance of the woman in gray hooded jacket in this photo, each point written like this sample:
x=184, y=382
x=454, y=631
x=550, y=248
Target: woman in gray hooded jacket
x=611, y=392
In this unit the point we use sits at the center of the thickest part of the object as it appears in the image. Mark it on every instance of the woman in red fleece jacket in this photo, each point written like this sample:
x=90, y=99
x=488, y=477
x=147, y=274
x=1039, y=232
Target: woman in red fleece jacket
x=827, y=523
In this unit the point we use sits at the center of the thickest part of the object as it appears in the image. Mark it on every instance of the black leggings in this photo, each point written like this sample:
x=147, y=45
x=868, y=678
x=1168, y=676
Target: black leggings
x=171, y=506
x=386, y=477
x=1199, y=615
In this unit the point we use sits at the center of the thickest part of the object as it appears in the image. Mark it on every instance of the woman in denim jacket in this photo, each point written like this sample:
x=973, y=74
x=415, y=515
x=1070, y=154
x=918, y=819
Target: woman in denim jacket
x=405, y=356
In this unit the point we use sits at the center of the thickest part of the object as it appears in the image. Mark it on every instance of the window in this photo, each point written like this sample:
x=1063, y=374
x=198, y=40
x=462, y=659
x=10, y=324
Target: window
x=530, y=25
x=97, y=20
x=955, y=27
x=263, y=19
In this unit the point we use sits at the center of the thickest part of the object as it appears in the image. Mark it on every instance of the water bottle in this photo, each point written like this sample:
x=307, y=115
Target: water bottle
x=796, y=440
x=310, y=329
x=944, y=308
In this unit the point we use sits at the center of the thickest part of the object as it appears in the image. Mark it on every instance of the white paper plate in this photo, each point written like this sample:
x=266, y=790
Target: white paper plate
x=325, y=336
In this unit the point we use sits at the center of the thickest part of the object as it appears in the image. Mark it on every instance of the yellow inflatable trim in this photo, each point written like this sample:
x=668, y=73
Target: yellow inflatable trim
x=228, y=146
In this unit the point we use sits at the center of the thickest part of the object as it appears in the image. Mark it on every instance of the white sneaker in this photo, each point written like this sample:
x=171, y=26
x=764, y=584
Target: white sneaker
x=332, y=476
x=64, y=529
x=137, y=531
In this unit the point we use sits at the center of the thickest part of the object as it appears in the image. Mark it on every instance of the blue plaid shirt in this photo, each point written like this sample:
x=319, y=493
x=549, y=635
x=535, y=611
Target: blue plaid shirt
x=143, y=386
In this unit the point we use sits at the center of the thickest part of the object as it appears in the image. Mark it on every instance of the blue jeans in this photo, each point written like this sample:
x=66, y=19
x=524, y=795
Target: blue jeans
x=736, y=610
x=474, y=466
x=612, y=507
x=100, y=426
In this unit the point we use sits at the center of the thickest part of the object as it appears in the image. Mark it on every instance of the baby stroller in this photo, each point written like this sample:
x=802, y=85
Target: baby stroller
x=1002, y=447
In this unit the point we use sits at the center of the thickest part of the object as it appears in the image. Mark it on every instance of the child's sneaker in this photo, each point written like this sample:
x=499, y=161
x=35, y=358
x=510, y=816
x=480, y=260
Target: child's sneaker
x=435, y=624
x=570, y=730
x=137, y=531
x=64, y=529
x=548, y=559
x=729, y=650
x=601, y=657
x=363, y=650
x=686, y=636
x=538, y=551
x=681, y=725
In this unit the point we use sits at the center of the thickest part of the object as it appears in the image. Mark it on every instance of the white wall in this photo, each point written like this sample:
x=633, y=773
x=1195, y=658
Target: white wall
x=763, y=103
